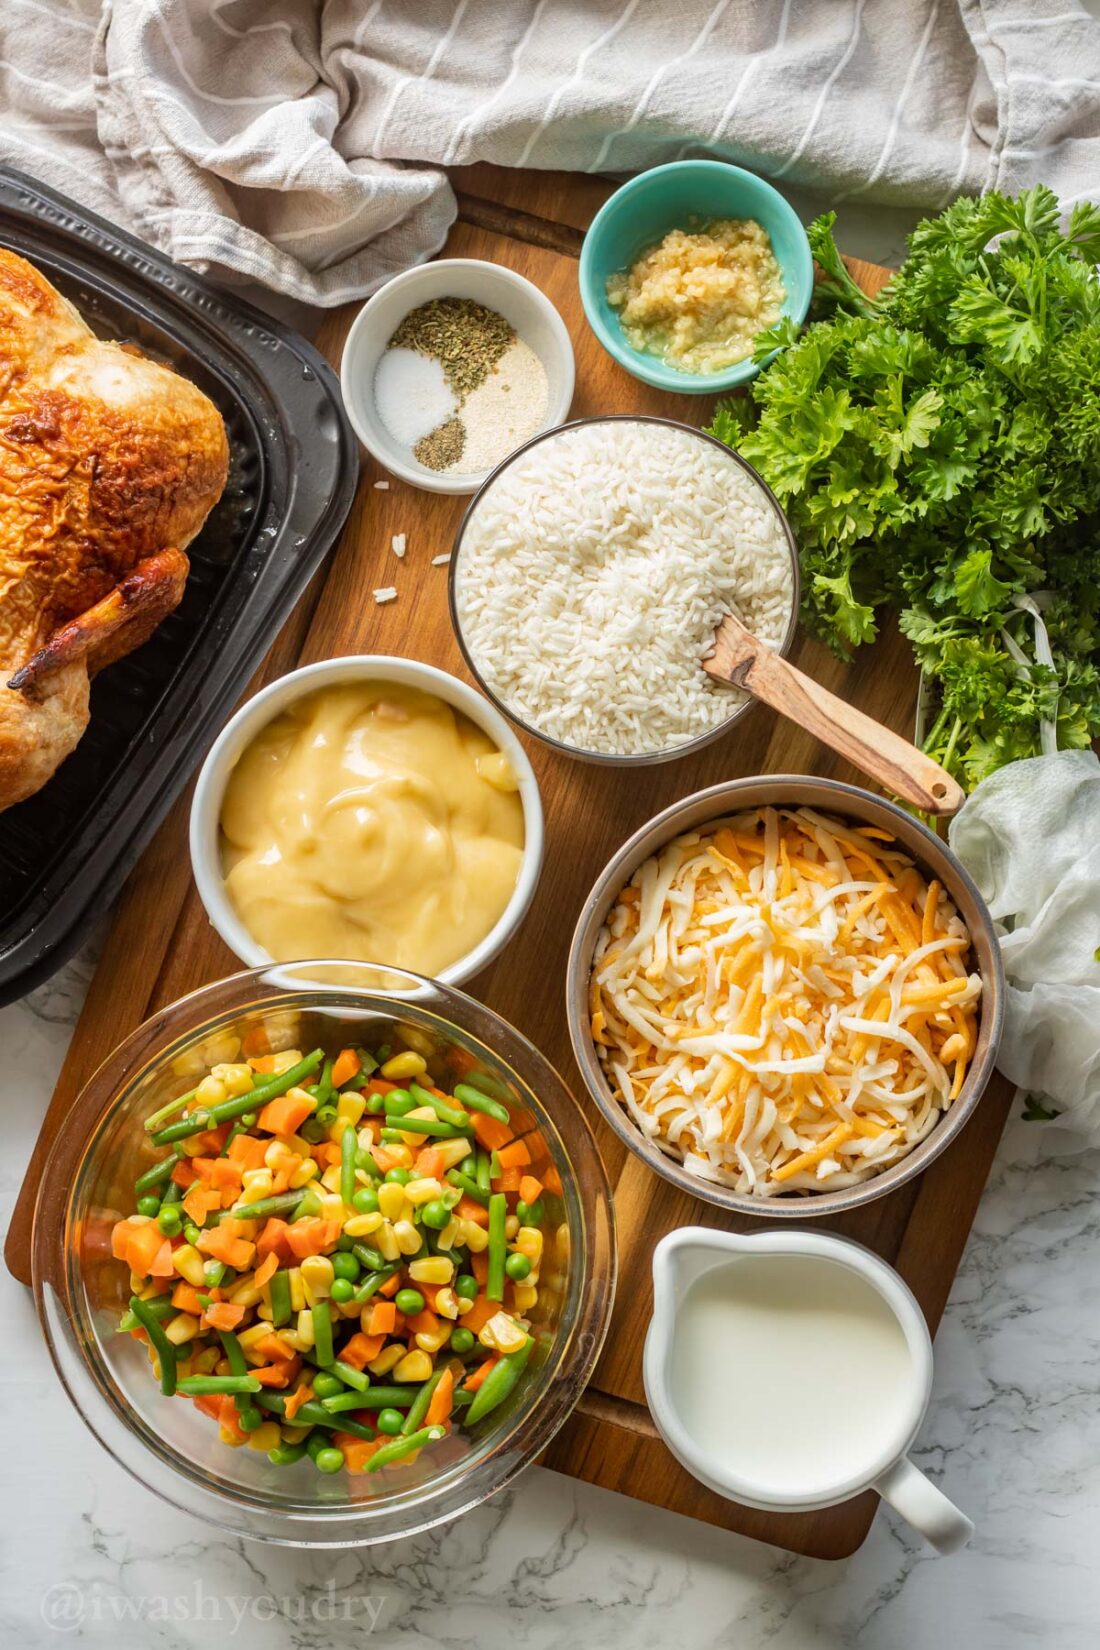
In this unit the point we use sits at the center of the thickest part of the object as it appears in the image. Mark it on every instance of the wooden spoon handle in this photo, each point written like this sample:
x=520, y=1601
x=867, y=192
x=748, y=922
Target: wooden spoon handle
x=898, y=766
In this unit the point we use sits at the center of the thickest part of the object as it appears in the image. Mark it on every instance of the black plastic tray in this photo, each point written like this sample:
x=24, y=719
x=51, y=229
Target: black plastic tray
x=293, y=470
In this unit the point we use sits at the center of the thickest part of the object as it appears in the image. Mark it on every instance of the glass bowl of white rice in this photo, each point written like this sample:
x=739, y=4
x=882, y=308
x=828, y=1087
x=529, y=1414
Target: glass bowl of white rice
x=591, y=571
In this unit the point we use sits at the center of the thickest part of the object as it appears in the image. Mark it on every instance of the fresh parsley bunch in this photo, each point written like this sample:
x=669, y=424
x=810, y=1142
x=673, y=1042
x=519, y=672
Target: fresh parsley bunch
x=937, y=449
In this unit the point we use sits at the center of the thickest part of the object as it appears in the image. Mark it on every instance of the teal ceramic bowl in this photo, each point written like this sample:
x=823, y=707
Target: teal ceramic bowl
x=643, y=211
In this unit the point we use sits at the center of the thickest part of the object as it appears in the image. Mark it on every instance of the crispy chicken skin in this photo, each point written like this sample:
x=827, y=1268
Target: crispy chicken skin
x=109, y=465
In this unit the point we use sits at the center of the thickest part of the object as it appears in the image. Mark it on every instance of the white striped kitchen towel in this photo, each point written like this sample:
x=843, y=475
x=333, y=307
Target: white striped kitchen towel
x=300, y=142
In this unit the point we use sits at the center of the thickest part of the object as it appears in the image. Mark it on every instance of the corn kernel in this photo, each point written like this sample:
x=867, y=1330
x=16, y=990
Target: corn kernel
x=433, y=1340
x=414, y=1366
x=332, y=1206
x=446, y=1303
x=386, y=1359
x=449, y=1236
x=330, y=1180
x=294, y=1143
x=475, y=1237
x=266, y=1436
x=317, y=1274
x=423, y=1191
x=221, y=1366
x=210, y=1092
x=220, y=1048
x=236, y=1079
x=431, y=1269
x=401, y=1154
x=284, y=1059
x=297, y=1289
x=303, y=1174
x=189, y=1264
x=293, y=1435
x=502, y=1334
x=255, y=1184
x=391, y=1200
x=404, y=1065
x=407, y=1237
x=529, y=1243
x=248, y=1337
x=452, y=1152
x=304, y=1330
x=230, y=1438
x=363, y=1225
x=525, y=1296
x=181, y=1328
x=264, y=1310
x=203, y=1362
x=245, y=1294
x=386, y=1243
x=350, y=1108
x=511, y=1227
x=464, y=1306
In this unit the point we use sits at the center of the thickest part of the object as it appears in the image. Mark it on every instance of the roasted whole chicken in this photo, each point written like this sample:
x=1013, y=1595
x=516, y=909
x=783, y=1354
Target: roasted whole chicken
x=109, y=465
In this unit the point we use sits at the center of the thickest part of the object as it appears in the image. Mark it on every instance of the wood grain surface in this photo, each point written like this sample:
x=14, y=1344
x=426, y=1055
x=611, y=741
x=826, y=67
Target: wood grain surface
x=161, y=946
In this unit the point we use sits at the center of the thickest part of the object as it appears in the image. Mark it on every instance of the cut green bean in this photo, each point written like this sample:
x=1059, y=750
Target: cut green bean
x=161, y=1308
x=153, y=1122
x=322, y=1091
x=447, y=1113
x=322, y=1333
x=156, y=1176
x=401, y=1447
x=484, y=1176
x=196, y=1386
x=474, y=1100
x=158, y=1340
x=500, y=1381
x=229, y=1110
x=351, y=1377
x=281, y=1309
x=424, y=1125
x=419, y=1406
x=470, y=1187
x=349, y=1145
x=238, y=1365
x=341, y=1401
x=497, y=1250
x=390, y=1397
x=376, y=1278
x=309, y=1204
x=281, y=1204
x=173, y=1193
x=285, y=1455
x=373, y=1259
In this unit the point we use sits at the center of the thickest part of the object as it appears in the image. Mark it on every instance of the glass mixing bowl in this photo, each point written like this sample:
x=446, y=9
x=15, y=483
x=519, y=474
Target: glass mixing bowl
x=81, y=1292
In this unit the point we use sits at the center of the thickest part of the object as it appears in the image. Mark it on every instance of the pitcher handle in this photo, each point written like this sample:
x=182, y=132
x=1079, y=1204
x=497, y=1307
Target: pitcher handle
x=918, y=1501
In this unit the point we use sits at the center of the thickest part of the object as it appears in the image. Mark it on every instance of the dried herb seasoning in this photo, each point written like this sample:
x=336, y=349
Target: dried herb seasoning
x=465, y=337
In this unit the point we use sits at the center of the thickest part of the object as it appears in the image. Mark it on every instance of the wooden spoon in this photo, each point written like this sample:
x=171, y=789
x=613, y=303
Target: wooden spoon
x=899, y=767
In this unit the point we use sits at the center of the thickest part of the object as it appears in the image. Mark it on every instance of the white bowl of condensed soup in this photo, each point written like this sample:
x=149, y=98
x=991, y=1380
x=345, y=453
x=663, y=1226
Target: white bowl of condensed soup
x=371, y=808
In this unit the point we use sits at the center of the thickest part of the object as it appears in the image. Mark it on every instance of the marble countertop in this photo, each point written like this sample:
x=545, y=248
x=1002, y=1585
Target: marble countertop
x=1012, y=1435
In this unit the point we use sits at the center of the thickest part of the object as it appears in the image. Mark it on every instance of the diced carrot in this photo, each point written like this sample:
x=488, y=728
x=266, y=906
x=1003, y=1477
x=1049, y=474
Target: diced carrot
x=266, y=1270
x=442, y=1400
x=479, y=1314
x=210, y=1142
x=223, y=1315
x=467, y=1209
x=327, y=1152
x=551, y=1179
x=490, y=1133
x=383, y=1315
x=529, y=1188
x=226, y=1175
x=255, y=1044
x=424, y=1323
x=286, y=1113
x=273, y=1241
x=472, y=1382
x=277, y=1375
x=391, y=1285
x=345, y=1067
x=163, y=1265
x=301, y=1395
x=120, y=1238
x=479, y=1266
x=312, y=1236
x=361, y=1349
x=379, y=1085
x=246, y=1150
x=514, y=1155
x=210, y=1405
x=229, y=1419
x=384, y=1158
x=356, y=1451
x=226, y=1246
x=184, y=1173
x=199, y=1202
x=274, y=1348
x=430, y=1163
x=186, y=1299
x=203, y=1169
x=508, y=1181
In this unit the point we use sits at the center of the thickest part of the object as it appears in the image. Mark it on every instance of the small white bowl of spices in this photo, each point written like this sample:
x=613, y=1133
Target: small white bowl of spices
x=450, y=367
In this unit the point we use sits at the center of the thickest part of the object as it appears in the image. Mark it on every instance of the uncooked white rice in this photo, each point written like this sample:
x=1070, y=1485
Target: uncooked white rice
x=594, y=573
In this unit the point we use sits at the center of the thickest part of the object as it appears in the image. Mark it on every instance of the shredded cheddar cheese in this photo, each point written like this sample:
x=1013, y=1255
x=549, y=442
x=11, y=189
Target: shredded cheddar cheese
x=783, y=1001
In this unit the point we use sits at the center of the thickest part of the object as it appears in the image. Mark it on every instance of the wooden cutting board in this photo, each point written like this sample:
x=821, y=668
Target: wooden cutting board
x=161, y=946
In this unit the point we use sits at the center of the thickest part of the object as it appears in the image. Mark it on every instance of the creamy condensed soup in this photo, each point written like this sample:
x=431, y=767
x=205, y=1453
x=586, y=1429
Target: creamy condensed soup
x=371, y=821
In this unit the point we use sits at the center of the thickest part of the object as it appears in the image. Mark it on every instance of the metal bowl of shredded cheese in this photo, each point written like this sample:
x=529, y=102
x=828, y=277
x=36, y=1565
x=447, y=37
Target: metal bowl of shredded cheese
x=785, y=995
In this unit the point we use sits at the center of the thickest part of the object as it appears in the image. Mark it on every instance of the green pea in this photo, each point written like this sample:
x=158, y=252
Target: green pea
x=249, y=1418
x=327, y=1386
x=342, y=1289
x=517, y=1266
x=529, y=1214
x=435, y=1214
x=325, y=1115
x=399, y=1177
x=390, y=1421
x=345, y=1266
x=398, y=1103
x=170, y=1220
x=344, y=1243
x=248, y=1119
x=409, y=1301
x=462, y=1341
x=365, y=1201
x=376, y=1103
x=148, y=1206
x=328, y=1460
x=466, y=1286
x=192, y=1234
